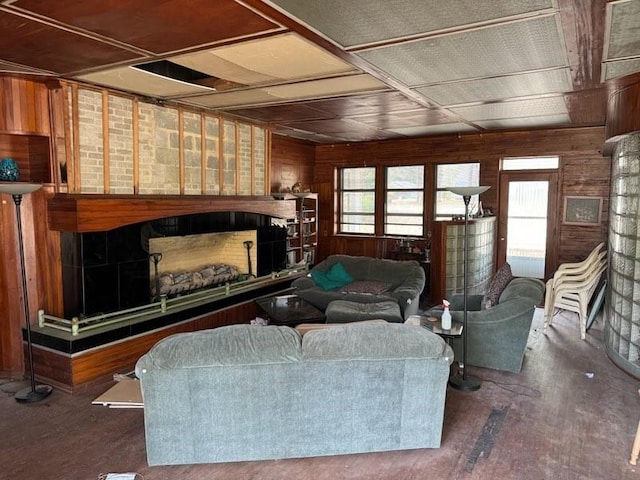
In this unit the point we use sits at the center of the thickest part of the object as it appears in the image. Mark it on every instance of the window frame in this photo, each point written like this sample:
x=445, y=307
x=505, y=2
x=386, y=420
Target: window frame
x=340, y=190
x=437, y=189
x=421, y=191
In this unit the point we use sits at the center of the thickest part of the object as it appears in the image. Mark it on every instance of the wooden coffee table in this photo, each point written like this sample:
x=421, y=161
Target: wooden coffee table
x=290, y=310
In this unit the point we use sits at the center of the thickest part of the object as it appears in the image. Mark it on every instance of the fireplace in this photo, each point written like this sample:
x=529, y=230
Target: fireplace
x=184, y=264
x=116, y=269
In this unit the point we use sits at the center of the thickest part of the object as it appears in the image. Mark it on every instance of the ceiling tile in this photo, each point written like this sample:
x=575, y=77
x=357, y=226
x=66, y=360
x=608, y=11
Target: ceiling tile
x=620, y=68
x=282, y=113
x=513, y=109
x=498, y=88
x=367, y=104
x=140, y=81
x=41, y=46
x=623, y=30
x=156, y=26
x=435, y=129
x=499, y=50
x=529, y=122
x=395, y=120
x=290, y=92
x=346, y=129
x=273, y=59
x=355, y=23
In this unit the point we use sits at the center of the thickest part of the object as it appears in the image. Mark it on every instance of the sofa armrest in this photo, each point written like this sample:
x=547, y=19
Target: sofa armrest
x=303, y=283
x=474, y=302
x=411, y=287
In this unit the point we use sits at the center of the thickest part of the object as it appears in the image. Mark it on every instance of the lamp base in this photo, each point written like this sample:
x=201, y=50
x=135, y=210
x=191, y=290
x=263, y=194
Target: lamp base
x=27, y=395
x=466, y=383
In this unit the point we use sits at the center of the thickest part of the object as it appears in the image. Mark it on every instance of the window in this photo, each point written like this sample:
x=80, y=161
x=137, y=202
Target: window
x=454, y=175
x=530, y=163
x=404, y=201
x=357, y=195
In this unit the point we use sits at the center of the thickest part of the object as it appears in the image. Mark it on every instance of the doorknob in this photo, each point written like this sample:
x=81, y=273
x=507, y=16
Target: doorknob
x=502, y=239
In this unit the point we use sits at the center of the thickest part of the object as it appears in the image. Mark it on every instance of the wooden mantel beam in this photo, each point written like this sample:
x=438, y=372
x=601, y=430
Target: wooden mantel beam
x=94, y=213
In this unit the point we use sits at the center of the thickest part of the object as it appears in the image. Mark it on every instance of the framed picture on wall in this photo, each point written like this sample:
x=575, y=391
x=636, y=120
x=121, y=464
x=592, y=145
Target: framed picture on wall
x=582, y=210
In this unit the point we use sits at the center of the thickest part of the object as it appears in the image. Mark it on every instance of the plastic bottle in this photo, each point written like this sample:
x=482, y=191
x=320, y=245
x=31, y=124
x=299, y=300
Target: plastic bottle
x=445, y=320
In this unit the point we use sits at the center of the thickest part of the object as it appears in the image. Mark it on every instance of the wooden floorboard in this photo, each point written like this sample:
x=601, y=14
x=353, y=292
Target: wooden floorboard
x=551, y=421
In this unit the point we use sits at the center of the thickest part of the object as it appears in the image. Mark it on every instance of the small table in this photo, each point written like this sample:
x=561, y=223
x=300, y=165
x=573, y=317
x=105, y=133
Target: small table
x=435, y=325
x=290, y=310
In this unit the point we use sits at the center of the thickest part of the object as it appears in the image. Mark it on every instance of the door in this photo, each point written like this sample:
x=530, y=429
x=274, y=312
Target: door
x=527, y=223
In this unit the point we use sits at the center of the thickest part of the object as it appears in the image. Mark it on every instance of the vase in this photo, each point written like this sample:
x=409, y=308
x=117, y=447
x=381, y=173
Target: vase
x=9, y=171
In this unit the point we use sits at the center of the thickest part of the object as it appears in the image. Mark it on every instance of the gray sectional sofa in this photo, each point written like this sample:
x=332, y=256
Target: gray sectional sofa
x=247, y=392
x=405, y=281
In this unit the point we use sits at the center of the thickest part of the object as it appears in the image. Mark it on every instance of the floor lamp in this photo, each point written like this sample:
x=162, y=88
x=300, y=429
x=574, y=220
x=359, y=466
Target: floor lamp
x=34, y=393
x=464, y=382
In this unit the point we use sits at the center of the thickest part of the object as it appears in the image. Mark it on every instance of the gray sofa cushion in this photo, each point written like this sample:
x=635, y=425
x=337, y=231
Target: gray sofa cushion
x=372, y=341
x=223, y=346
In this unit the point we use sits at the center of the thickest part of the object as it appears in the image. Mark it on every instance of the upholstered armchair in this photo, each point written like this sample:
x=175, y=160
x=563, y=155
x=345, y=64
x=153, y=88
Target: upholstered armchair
x=497, y=336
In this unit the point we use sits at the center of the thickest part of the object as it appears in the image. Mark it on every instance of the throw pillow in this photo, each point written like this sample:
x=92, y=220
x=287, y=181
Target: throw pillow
x=336, y=277
x=498, y=283
x=368, y=287
x=321, y=280
x=337, y=273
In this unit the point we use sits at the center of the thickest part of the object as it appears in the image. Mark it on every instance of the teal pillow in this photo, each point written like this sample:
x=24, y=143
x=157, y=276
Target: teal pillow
x=336, y=277
x=337, y=273
x=321, y=280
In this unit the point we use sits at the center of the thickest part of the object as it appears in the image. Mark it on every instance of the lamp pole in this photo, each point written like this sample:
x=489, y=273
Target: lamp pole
x=464, y=382
x=34, y=393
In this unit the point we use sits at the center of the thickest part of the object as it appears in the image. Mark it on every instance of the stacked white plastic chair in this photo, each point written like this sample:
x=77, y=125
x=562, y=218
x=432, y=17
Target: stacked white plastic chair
x=572, y=287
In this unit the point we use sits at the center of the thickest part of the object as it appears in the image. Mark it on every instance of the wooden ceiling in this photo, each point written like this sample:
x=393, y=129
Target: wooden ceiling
x=337, y=71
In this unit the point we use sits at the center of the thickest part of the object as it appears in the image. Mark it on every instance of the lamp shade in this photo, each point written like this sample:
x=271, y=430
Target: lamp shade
x=18, y=188
x=468, y=191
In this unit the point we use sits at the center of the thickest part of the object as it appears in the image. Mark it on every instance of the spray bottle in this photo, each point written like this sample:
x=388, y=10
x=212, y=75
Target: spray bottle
x=445, y=320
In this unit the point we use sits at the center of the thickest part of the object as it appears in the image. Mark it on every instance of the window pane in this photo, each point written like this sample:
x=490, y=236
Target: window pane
x=407, y=177
x=448, y=204
x=363, y=178
x=403, y=230
x=455, y=175
x=458, y=175
x=530, y=163
x=358, y=219
x=405, y=219
x=350, y=228
x=405, y=202
x=356, y=202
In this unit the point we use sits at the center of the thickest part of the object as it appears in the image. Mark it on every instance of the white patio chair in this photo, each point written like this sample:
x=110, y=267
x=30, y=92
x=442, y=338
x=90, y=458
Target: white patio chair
x=572, y=288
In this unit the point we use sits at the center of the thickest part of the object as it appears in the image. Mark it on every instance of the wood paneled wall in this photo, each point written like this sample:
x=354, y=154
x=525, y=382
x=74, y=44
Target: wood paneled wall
x=291, y=161
x=24, y=106
x=583, y=171
x=623, y=107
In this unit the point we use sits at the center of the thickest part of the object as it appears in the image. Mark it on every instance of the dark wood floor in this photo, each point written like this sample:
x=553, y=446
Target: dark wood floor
x=552, y=421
